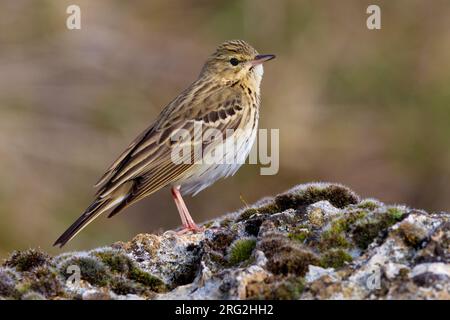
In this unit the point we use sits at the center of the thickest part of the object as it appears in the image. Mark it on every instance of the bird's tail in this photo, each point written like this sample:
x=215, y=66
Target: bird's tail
x=99, y=206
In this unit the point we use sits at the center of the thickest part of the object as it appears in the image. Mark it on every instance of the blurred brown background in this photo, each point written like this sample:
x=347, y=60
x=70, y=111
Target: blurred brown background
x=369, y=109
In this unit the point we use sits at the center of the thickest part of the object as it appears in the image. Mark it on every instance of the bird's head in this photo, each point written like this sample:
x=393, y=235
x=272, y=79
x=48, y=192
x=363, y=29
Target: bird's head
x=236, y=60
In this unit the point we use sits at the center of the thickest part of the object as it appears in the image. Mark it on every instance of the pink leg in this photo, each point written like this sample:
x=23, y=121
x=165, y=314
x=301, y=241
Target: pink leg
x=186, y=219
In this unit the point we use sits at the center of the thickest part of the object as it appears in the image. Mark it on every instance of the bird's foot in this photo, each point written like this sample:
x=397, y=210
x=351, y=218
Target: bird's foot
x=191, y=228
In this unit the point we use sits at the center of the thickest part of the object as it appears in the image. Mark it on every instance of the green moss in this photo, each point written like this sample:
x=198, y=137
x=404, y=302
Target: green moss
x=115, y=260
x=336, y=235
x=152, y=282
x=368, y=205
x=26, y=260
x=241, y=250
x=298, y=234
x=335, y=258
x=92, y=270
x=395, y=213
x=344, y=224
x=366, y=230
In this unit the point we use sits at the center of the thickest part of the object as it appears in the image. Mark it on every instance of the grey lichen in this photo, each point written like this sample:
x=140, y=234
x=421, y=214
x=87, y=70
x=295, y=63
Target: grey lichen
x=315, y=241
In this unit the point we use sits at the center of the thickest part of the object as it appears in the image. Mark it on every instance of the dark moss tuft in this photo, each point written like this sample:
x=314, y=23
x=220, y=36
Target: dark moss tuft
x=269, y=208
x=222, y=240
x=338, y=196
x=413, y=235
x=335, y=258
x=285, y=256
x=252, y=226
x=241, y=250
x=295, y=261
x=288, y=201
x=27, y=260
x=123, y=286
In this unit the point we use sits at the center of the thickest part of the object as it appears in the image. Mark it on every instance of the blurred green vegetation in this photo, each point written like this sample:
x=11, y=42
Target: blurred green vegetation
x=369, y=109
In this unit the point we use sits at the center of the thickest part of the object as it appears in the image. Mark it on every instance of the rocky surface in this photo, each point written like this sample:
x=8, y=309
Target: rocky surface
x=316, y=241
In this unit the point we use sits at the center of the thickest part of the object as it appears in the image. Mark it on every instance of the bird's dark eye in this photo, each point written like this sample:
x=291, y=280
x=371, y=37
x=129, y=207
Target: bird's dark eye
x=234, y=61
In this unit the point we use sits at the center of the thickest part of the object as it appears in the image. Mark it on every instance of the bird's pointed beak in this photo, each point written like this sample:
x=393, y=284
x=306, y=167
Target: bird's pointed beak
x=260, y=58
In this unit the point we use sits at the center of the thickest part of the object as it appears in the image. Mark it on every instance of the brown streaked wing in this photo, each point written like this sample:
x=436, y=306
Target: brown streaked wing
x=121, y=157
x=150, y=172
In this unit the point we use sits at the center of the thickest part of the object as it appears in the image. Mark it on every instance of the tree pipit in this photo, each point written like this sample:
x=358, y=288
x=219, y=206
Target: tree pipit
x=224, y=102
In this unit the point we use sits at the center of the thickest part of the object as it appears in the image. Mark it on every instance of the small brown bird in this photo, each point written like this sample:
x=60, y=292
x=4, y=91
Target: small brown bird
x=226, y=98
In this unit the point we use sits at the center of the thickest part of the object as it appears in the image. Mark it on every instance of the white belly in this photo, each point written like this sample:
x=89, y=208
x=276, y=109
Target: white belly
x=201, y=176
